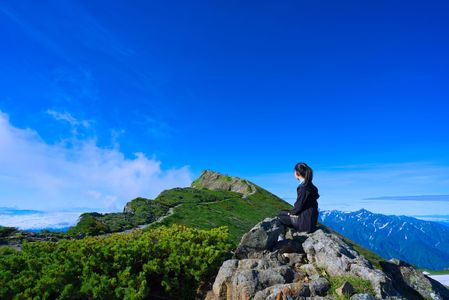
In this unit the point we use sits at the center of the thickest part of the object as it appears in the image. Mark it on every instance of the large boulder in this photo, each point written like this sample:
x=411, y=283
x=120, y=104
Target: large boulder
x=240, y=279
x=302, y=266
x=261, y=237
x=338, y=258
x=413, y=283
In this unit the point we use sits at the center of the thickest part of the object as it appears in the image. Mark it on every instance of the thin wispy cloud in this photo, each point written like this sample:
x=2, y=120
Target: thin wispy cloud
x=38, y=175
x=157, y=128
x=84, y=29
x=67, y=117
x=72, y=86
x=31, y=30
x=87, y=36
x=415, y=198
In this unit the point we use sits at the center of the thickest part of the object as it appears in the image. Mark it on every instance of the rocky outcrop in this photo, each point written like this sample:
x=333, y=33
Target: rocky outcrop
x=413, y=283
x=338, y=258
x=15, y=238
x=217, y=181
x=304, y=265
x=128, y=209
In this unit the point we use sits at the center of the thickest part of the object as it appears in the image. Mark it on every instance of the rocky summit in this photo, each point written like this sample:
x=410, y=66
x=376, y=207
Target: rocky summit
x=318, y=265
x=216, y=181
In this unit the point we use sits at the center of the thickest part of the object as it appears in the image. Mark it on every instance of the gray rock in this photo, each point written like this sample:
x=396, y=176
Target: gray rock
x=294, y=259
x=345, y=289
x=304, y=290
x=262, y=236
x=256, y=263
x=288, y=246
x=245, y=283
x=338, y=258
x=275, y=256
x=289, y=233
x=320, y=286
x=362, y=296
x=240, y=279
x=294, y=290
x=309, y=269
x=223, y=278
x=413, y=283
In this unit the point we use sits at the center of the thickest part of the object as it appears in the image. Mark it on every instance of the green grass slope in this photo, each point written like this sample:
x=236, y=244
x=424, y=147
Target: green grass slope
x=205, y=209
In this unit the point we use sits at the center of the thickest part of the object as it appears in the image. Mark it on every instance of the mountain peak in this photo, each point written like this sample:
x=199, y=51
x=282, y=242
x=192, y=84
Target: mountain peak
x=216, y=181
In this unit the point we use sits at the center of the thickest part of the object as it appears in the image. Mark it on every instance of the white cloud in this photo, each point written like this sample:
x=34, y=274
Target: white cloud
x=67, y=117
x=38, y=175
x=40, y=220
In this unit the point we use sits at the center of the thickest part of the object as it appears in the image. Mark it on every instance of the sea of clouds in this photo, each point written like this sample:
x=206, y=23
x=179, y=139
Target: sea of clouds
x=36, y=220
x=74, y=172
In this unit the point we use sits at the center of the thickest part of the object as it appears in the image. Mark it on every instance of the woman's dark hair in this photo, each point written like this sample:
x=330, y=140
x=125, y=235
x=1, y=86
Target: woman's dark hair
x=305, y=171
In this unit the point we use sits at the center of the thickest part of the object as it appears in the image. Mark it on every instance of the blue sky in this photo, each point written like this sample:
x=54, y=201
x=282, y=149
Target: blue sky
x=102, y=101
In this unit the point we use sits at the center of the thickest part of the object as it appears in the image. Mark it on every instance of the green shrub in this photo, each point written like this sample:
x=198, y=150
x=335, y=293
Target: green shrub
x=228, y=178
x=7, y=231
x=169, y=261
x=89, y=224
x=7, y=250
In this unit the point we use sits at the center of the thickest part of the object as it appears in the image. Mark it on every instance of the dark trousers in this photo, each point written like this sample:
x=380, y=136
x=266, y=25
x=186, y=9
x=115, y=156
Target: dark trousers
x=285, y=218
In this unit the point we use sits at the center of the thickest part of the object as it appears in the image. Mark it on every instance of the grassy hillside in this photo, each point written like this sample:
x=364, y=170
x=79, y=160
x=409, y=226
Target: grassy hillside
x=204, y=209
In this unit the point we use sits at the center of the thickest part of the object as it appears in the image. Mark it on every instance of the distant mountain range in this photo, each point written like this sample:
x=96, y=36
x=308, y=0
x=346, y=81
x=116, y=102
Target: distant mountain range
x=443, y=223
x=419, y=242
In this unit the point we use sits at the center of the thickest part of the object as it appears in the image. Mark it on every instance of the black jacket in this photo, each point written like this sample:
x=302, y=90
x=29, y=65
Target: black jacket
x=305, y=210
x=307, y=196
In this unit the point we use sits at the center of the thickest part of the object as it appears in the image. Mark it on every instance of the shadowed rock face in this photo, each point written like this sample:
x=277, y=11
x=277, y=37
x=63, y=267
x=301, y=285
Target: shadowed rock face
x=261, y=237
x=301, y=266
x=216, y=181
x=413, y=283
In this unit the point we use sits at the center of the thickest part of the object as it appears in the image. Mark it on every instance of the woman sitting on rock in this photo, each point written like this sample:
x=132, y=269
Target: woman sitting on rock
x=304, y=215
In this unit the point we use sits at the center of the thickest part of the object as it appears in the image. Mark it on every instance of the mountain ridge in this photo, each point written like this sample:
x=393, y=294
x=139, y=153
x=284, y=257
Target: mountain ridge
x=419, y=242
